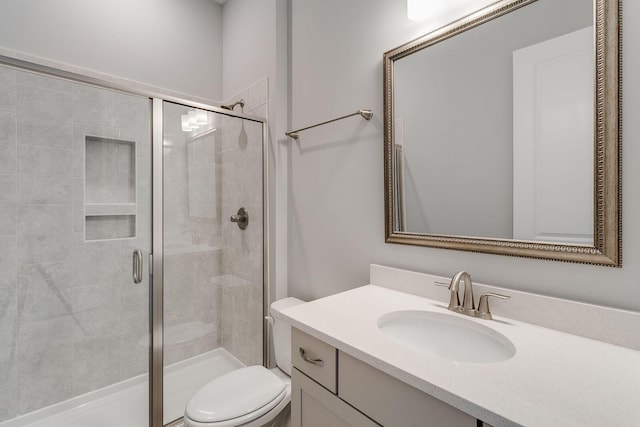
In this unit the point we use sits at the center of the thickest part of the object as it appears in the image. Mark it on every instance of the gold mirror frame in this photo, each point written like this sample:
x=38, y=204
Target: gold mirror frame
x=607, y=247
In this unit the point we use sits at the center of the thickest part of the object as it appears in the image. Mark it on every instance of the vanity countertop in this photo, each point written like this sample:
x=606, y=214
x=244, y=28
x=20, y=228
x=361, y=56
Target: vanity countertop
x=554, y=379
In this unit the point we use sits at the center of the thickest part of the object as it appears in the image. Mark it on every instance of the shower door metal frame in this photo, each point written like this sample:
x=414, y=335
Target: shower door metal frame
x=156, y=309
x=156, y=257
x=156, y=294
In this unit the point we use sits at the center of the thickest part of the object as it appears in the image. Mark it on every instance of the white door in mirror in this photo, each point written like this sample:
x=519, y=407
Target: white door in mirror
x=553, y=139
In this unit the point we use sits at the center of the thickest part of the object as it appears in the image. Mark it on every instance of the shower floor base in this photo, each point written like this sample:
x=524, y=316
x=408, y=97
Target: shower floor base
x=126, y=404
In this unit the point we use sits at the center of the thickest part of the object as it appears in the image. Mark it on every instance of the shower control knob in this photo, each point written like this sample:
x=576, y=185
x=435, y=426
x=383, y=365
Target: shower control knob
x=241, y=218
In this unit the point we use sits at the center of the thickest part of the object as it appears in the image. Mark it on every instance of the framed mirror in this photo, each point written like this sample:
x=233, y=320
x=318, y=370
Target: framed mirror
x=502, y=133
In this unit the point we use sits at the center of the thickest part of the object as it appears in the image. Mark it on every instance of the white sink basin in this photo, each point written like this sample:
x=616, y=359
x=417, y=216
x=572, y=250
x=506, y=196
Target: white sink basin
x=446, y=336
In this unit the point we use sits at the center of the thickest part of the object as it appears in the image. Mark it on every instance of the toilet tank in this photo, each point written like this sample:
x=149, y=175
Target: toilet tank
x=282, y=332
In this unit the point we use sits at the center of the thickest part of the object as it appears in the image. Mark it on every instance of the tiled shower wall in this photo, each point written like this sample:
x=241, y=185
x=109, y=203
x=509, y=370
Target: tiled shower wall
x=242, y=258
x=213, y=270
x=71, y=320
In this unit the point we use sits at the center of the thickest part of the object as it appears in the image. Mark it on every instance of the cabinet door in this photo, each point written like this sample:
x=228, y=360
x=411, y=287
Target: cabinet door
x=314, y=406
x=390, y=401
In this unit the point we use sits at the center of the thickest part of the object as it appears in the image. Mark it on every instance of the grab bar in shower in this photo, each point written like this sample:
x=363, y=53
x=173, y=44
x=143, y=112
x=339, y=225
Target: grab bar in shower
x=366, y=114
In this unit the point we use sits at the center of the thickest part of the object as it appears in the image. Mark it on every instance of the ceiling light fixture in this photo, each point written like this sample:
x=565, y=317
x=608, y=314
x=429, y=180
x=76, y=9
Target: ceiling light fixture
x=418, y=10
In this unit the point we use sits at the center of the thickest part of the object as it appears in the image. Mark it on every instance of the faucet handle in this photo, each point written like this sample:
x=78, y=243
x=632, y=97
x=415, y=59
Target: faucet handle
x=483, y=304
x=454, y=300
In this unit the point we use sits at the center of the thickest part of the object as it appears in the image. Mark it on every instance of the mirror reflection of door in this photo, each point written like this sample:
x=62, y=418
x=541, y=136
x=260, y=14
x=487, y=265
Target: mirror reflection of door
x=553, y=139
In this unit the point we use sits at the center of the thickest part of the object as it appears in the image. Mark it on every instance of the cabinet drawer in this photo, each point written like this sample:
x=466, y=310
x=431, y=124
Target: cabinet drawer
x=315, y=358
x=391, y=402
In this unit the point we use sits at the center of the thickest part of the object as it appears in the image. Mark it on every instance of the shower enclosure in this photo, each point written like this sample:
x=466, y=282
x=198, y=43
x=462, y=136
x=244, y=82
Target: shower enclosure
x=213, y=269
x=124, y=284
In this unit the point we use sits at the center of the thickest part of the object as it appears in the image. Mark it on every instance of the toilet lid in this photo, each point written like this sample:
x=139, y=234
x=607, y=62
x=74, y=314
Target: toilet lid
x=253, y=389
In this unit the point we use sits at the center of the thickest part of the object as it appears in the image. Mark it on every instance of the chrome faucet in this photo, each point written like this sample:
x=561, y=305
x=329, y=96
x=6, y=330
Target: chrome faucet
x=467, y=299
x=468, y=305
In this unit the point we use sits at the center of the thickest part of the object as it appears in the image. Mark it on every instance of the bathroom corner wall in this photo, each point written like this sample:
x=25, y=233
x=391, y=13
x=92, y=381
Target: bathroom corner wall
x=242, y=259
x=67, y=303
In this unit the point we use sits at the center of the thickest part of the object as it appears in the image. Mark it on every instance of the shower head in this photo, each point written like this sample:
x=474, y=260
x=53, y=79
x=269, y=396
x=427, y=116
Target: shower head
x=232, y=106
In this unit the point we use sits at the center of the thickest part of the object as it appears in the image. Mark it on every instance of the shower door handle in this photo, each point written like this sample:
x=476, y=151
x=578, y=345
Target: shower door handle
x=137, y=266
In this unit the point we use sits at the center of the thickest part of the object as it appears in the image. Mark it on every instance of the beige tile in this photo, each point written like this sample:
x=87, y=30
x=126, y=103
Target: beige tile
x=93, y=105
x=8, y=140
x=98, y=322
x=8, y=219
x=134, y=123
x=134, y=361
x=43, y=82
x=44, y=175
x=8, y=197
x=96, y=364
x=8, y=262
x=44, y=292
x=44, y=234
x=44, y=117
x=43, y=366
x=121, y=98
x=8, y=89
x=8, y=321
x=9, y=389
x=95, y=262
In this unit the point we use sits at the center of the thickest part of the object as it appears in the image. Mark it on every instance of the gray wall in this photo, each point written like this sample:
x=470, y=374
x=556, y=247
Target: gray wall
x=336, y=207
x=158, y=42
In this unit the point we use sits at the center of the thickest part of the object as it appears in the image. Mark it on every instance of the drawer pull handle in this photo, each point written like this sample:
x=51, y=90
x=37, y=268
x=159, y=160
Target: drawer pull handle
x=318, y=362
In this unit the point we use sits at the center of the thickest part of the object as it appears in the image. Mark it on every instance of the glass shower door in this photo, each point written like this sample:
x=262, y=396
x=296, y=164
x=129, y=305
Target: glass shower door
x=75, y=201
x=213, y=269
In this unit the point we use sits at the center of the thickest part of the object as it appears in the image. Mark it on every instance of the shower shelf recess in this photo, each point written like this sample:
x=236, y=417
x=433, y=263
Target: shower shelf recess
x=97, y=209
x=110, y=206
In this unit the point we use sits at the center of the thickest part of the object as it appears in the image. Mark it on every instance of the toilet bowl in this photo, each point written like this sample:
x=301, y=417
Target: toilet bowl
x=251, y=396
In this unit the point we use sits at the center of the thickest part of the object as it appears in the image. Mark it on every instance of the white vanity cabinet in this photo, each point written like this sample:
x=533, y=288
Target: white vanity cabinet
x=331, y=388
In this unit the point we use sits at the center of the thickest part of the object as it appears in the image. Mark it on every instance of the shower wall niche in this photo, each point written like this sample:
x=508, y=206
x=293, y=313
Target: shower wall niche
x=110, y=188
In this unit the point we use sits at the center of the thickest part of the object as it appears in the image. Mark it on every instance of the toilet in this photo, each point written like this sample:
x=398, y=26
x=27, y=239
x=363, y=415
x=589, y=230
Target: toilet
x=251, y=396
